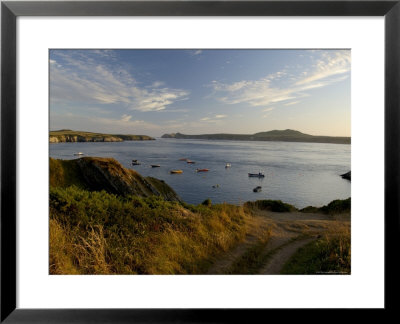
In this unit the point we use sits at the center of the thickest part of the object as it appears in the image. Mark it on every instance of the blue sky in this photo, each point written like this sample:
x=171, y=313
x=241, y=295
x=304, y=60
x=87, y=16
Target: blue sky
x=154, y=92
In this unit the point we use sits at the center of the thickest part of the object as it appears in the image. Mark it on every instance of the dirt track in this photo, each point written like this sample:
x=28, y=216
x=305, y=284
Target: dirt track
x=282, y=234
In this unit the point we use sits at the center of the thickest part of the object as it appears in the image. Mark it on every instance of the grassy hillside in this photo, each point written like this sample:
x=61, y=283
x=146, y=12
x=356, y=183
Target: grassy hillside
x=331, y=253
x=287, y=135
x=67, y=135
x=102, y=233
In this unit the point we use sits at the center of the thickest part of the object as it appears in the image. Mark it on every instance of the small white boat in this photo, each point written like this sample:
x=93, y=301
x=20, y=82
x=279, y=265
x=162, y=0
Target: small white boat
x=228, y=165
x=79, y=153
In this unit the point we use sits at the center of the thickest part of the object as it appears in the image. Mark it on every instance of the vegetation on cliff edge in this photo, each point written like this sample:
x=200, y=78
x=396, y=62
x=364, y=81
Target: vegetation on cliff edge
x=67, y=135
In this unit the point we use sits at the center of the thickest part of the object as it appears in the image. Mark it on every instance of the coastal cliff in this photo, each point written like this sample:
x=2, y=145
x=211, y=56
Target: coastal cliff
x=287, y=135
x=66, y=135
x=96, y=174
x=106, y=219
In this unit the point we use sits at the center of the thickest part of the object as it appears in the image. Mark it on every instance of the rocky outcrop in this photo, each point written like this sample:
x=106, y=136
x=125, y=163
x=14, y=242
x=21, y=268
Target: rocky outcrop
x=107, y=174
x=63, y=136
x=77, y=138
x=346, y=176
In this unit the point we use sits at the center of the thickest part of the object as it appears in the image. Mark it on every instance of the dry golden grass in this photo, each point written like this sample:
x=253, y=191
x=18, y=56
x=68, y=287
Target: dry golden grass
x=102, y=233
x=157, y=237
x=61, y=250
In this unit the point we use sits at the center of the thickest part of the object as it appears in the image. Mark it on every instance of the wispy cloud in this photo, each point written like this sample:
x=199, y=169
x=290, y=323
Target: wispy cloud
x=126, y=124
x=184, y=110
x=282, y=86
x=215, y=118
x=126, y=118
x=196, y=52
x=87, y=77
x=329, y=65
x=155, y=99
x=292, y=103
x=267, y=112
x=157, y=84
x=268, y=109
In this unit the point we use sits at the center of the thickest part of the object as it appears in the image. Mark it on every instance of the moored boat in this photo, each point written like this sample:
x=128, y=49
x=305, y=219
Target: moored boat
x=257, y=189
x=202, y=170
x=190, y=162
x=176, y=171
x=228, y=165
x=155, y=165
x=135, y=162
x=258, y=175
x=79, y=153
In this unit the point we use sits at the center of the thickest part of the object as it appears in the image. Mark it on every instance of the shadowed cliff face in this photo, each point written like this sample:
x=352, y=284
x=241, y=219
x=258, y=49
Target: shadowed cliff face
x=76, y=138
x=106, y=138
x=96, y=174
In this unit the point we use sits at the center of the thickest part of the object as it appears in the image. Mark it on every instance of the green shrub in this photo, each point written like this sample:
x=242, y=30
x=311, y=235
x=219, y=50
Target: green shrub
x=334, y=207
x=207, y=202
x=337, y=206
x=272, y=205
x=310, y=209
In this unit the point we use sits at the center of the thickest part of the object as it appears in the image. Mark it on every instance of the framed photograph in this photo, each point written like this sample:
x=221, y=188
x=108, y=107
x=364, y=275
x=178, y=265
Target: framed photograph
x=195, y=161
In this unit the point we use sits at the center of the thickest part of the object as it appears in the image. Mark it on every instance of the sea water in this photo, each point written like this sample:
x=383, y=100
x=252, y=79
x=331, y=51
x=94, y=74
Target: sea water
x=301, y=174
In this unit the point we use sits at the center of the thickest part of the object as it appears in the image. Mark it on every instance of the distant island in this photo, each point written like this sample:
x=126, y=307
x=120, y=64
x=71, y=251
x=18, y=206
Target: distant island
x=67, y=135
x=287, y=135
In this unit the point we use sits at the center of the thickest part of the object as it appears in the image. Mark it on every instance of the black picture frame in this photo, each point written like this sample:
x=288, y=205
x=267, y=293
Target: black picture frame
x=11, y=10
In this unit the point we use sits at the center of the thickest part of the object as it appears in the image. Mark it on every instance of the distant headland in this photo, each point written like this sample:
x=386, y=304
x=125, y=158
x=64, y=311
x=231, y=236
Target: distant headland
x=67, y=135
x=287, y=135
